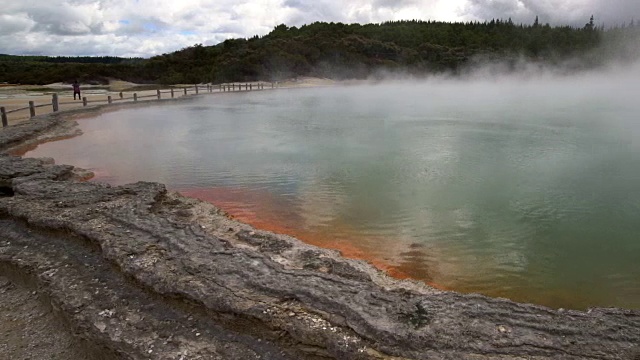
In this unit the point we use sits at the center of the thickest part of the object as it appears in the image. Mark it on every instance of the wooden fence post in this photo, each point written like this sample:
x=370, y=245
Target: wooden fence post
x=32, y=109
x=159, y=96
x=54, y=102
x=121, y=95
x=196, y=89
x=84, y=101
x=250, y=86
x=185, y=91
x=135, y=96
x=172, y=93
x=109, y=99
x=3, y=113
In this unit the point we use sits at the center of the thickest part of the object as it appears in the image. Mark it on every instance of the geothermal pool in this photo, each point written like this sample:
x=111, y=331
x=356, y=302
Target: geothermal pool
x=526, y=189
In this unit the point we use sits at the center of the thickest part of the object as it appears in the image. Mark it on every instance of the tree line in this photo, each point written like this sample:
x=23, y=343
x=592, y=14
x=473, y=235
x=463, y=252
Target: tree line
x=71, y=59
x=341, y=51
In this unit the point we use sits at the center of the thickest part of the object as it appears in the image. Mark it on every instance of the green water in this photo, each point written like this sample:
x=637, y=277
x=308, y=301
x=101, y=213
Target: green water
x=523, y=189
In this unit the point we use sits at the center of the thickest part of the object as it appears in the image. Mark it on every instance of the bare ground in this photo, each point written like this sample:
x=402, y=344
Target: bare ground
x=29, y=328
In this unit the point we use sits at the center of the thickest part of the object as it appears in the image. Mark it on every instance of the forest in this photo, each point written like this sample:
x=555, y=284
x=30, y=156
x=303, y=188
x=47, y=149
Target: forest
x=347, y=51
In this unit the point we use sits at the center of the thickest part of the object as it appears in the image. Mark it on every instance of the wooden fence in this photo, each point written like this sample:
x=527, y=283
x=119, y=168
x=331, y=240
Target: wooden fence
x=172, y=92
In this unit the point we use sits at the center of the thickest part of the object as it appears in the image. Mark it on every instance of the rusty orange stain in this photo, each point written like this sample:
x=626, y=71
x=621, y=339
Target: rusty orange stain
x=21, y=150
x=263, y=210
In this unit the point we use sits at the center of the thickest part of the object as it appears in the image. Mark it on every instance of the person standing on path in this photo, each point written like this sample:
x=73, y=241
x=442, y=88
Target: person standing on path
x=76, y=90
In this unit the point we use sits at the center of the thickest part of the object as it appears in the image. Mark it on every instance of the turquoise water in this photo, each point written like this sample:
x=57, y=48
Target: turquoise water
x=528, y=190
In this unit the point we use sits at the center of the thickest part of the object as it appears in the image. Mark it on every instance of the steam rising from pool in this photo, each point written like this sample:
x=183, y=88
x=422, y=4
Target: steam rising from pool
x=523, y=188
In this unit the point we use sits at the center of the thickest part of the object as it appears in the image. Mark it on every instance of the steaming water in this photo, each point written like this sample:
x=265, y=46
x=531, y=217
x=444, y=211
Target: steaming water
x=528, y=190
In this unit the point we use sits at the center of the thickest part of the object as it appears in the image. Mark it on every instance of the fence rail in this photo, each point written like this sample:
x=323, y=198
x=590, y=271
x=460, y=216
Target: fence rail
x=174, y=92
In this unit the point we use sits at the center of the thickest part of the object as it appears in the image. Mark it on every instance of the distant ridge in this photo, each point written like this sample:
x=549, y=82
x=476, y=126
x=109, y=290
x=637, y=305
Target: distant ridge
x=69, y=59
x=347, y=51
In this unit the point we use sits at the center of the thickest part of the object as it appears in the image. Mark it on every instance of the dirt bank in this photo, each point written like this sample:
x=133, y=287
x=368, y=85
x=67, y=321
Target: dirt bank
x=137, y=272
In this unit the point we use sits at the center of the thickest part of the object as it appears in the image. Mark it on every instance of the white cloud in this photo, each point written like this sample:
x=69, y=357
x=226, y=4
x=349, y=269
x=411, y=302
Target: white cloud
x=150, y=27
x=572, y=12
x=10, y=24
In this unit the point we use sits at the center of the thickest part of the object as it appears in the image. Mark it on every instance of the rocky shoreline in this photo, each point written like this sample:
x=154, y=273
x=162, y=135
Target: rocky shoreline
x=137, y=272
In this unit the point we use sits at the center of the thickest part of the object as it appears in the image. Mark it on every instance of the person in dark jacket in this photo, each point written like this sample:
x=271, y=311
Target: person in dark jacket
x=76, y=90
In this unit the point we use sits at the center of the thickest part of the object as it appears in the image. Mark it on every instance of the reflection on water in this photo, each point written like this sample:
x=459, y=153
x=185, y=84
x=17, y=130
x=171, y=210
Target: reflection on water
x=528, y=191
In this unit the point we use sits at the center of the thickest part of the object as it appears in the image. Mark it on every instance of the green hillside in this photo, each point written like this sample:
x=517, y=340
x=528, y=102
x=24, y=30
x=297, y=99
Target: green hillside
x=341, y=51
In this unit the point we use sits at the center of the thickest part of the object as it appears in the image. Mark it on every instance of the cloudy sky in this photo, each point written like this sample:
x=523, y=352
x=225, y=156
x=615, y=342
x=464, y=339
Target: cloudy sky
x=150, y=27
